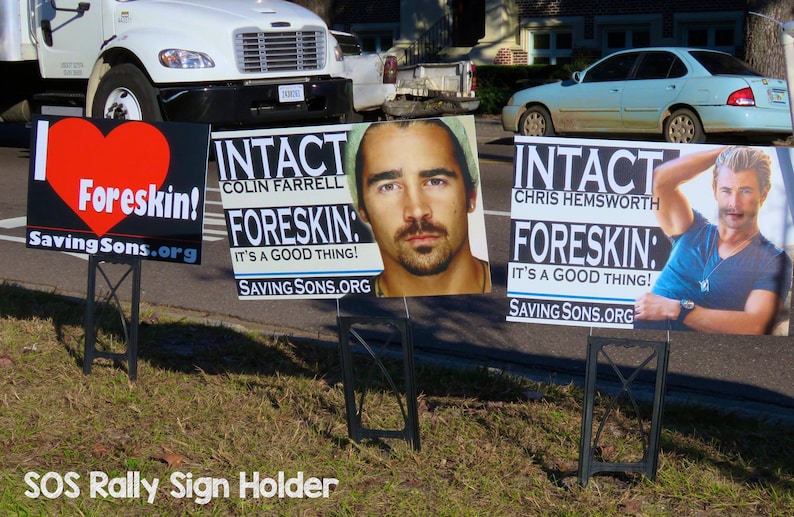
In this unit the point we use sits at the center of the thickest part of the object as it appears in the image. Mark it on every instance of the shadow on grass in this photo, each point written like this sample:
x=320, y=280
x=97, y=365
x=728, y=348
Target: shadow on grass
x=180, y=346
x=744, y=450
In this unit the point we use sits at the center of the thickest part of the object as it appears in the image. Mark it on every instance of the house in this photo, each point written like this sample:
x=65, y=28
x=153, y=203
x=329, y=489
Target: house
x=537, y=31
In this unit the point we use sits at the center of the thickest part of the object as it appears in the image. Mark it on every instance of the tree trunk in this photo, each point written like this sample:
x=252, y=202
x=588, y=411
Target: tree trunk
x=763, y=49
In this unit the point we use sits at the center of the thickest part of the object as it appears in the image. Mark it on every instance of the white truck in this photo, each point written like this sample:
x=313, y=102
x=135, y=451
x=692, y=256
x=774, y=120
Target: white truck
x=228, y=63
x=381, y=87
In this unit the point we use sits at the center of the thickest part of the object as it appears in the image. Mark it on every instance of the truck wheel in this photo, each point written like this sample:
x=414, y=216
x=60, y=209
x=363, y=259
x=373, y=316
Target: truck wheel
x=536, y=121
x=124, y=93
x=15, y=111
x=684, y=127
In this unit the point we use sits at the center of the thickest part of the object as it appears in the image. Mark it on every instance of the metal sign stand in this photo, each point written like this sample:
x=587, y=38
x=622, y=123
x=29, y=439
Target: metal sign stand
x=130, y=334
x=349, y=334
x=658, y=352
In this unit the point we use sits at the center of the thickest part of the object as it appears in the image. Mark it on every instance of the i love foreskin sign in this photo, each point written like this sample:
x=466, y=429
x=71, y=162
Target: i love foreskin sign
x=118, y=188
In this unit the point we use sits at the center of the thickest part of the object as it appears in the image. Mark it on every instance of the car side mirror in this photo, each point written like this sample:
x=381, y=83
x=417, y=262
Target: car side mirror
x=577, y=76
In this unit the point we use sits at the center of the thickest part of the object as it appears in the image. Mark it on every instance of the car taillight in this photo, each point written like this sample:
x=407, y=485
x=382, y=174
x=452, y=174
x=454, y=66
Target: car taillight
x=473, y=77
x=390, y=70
x=743, y=97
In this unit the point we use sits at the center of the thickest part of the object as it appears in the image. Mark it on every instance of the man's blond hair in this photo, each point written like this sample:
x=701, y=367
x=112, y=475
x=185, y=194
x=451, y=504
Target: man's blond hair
x=742, y=158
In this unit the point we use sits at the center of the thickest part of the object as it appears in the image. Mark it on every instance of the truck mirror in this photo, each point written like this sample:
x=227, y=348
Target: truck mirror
x=81, y=8
x=46, y=32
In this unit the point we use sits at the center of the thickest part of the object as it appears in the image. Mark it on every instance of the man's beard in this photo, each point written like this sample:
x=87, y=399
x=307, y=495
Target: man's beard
x=424, y=260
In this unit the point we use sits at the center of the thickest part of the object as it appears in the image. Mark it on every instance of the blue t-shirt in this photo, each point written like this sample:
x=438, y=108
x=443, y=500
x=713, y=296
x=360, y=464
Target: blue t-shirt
x=694, y=258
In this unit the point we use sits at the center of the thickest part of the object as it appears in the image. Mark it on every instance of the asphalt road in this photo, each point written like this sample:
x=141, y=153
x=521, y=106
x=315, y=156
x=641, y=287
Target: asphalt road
x=742, y=372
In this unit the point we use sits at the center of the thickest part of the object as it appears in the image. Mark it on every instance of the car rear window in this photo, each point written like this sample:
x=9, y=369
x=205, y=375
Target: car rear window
x=722, y=64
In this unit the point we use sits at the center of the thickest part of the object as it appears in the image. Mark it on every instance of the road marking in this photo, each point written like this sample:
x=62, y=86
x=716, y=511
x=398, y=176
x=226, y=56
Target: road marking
x=496, y=212
x=222, y=233
x=12, y=239
x=215, y=219
x=13, y=222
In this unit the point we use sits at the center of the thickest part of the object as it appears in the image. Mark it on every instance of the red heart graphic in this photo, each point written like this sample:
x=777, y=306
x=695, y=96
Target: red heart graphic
x=133, y=156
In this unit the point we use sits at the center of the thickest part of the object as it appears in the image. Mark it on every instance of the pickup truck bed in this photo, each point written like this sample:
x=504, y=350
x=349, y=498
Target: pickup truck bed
x=422, y=90
x=429, y=89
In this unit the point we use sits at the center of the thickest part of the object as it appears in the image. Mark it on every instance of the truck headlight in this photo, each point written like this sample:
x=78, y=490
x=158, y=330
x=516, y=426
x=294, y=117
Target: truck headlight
x=179, y=58
x=339, y=55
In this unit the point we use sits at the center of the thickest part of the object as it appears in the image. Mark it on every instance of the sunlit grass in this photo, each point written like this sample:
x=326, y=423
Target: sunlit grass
x=213, y=402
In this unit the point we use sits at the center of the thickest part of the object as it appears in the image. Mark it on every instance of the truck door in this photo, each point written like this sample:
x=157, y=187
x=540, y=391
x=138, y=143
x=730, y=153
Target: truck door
x=69, y=36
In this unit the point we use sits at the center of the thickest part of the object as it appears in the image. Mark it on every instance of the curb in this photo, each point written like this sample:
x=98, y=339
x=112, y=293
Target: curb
x=490, y=127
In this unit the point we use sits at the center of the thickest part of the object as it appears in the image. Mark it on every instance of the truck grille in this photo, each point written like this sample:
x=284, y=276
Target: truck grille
x=280, y=51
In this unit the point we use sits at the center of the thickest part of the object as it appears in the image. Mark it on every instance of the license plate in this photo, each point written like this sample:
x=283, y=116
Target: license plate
x=778, y=96
x=290, y=93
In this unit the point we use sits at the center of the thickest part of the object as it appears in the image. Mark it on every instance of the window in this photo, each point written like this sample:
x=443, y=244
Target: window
x=615, y=68
x=714, y=37
x=660, y=65
x=347, y=42
x=720, y=30
x=550, y=47
x=620, y=38
x=720, y=64
x=373, y=42
x=468, y=22
x=374, y=37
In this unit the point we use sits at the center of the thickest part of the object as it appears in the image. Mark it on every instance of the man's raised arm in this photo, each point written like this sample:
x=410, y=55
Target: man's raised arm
x=675, y=213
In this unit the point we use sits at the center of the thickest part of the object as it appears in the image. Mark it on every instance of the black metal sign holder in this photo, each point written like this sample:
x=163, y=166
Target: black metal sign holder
x=659, y=352
x=349, y=334
x=95, y=263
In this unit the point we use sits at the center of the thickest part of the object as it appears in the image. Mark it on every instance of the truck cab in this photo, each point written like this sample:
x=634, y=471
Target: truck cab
x=229, y=63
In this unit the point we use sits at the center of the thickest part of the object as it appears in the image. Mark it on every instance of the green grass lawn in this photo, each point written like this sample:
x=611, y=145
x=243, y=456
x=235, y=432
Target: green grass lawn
x=235, y=422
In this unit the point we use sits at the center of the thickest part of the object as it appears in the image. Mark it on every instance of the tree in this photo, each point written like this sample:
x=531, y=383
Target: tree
x=763, y=50
x=322, y=8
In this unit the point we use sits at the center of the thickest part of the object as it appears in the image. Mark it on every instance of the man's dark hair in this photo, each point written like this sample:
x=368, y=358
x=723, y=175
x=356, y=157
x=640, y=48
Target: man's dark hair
x=457, y=152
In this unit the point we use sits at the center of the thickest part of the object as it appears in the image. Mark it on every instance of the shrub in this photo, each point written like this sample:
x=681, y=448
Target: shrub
x=496, y=83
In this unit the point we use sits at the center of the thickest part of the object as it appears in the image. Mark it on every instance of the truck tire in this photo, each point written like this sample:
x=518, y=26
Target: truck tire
x=15, y=112
x=125, y=93
x=684, y=127
x=536, y=121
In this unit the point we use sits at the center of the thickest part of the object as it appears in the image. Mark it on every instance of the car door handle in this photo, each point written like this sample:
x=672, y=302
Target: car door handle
x=670, y=87
x=614, y=90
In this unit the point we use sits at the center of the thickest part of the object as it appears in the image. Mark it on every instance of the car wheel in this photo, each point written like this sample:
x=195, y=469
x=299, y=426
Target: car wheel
x=683, y=127
x=536, y=121
x=124, y=93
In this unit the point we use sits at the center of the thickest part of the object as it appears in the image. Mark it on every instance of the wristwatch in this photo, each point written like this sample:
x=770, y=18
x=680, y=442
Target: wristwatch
x=686, y=308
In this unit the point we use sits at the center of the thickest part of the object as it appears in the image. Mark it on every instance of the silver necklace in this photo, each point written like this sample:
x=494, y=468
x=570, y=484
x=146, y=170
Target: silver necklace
x=704, y=284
